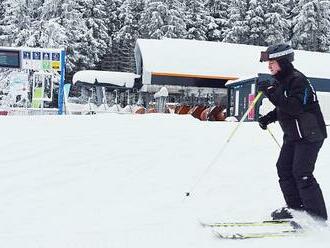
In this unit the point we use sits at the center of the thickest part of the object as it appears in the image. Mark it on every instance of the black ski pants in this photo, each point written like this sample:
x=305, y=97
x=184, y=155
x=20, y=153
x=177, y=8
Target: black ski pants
x=295, y=168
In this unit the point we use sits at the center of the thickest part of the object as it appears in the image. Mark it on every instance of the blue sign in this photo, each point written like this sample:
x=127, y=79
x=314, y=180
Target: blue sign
x=36, y=55
x=26, y=55
x=56, y=56
x=46, y=56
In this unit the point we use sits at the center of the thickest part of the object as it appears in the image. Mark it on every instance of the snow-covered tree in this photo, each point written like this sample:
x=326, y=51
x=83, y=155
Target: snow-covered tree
x=256, y=23
x=79, y=37
x=197, y=20
x=237, y=24
x=112, y=16
x=2, y=16
x=324, y=26
x=163, y=19
x=153, y=19
x=311, y=27
x=276, y=25
x=218, y=25
x=130, y=18
x=175, y=26
x=19, y=22
x=291, y=11
x=51, y=32
x=94, y=15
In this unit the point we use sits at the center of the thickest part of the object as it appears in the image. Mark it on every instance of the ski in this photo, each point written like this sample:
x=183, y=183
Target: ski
x=288, y=223
x=258, y=235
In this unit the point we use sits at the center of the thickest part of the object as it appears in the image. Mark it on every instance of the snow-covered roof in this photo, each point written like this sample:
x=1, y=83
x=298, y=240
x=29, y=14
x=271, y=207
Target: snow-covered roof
x=215, y=59
x=123, y=79
x=196, y=58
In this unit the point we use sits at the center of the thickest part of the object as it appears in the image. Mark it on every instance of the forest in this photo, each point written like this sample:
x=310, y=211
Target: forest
x=101, y=34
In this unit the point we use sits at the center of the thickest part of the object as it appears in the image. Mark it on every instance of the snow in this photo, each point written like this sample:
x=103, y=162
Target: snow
x=163, y=92
x=117, y=78
x=110, y=180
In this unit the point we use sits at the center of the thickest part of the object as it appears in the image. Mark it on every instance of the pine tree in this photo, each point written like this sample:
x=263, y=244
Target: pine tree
x=276, y=25
x=52, y=32
x=110, y=61
x=124, y=40
x=34, y=10
x=291, y=12
x=256, y=23
x=175, y=26
x=19, y=23
x=78, y=35
x=218, y=10
x=153, y=19
x=237, y=23
x=112, y=16
x=163, y=19
x=324, y=26
x=98, y=40
x=311, y=27
x=197, y=20
x=2, y=16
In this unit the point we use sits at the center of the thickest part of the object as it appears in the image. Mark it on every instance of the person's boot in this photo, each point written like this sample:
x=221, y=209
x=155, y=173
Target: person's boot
x=282, y=213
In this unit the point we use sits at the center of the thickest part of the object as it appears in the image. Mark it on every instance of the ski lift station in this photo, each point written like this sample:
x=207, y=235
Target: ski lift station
x=216, y=72
x=194, y=73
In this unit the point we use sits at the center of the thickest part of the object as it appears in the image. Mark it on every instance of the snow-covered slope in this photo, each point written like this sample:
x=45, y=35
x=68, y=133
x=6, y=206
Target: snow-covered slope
x=120, y=181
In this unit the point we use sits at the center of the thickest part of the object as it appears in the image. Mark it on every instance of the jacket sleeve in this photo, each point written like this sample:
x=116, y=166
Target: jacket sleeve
x=292, y=102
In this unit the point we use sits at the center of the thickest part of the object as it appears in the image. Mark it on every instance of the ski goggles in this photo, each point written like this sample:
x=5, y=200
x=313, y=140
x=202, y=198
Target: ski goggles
x=264, y=56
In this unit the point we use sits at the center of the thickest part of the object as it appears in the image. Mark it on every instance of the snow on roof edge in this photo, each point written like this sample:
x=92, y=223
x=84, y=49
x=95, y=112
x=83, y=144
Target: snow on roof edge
x=185, y=56
x=126, y=79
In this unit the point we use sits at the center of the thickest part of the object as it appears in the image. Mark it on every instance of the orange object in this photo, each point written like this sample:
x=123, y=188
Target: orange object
x=183, y=110
x=197, y=111
x=140, y=110
x=151, y=110
x=214, y=113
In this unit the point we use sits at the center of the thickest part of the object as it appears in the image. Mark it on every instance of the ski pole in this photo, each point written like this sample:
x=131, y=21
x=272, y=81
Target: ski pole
x=245, y=115
x=215, y=159
x=271, y=134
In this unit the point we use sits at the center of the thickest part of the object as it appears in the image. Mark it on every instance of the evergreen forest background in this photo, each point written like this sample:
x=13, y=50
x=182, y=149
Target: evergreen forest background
x=101, y=34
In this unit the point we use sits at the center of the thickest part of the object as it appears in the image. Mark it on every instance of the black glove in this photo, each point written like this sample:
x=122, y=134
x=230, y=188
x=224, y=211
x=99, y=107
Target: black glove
x=266, y=87
x=264, y=121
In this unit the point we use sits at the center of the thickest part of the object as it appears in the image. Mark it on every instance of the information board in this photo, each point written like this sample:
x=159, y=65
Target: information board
x=41, y=59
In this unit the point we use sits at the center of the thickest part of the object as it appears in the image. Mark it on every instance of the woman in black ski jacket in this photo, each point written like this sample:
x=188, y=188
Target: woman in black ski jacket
x=298, y=112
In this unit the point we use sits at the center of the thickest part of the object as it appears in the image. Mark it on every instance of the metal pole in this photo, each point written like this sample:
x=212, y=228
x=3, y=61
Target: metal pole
x=271, y=134
x=61, y=86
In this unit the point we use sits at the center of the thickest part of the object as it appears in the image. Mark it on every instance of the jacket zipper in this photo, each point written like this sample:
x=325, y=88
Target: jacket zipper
x=298, y=129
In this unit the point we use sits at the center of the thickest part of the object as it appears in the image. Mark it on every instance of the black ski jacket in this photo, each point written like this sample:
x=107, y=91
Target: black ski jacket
x=296, y=107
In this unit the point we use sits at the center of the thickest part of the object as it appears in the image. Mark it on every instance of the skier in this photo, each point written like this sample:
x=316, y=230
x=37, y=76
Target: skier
x=298, y=112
